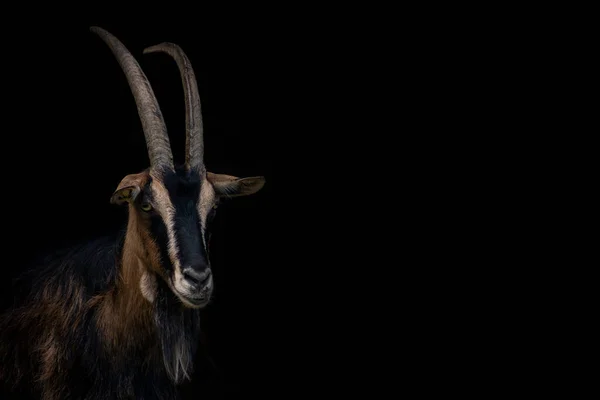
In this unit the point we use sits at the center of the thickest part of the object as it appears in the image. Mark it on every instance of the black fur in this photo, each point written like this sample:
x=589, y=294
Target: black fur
x=88, y=371
x=53, y=310
x=184, y=192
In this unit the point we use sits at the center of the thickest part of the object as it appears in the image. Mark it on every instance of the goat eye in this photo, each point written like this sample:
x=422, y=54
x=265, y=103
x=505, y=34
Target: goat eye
x=146, y=207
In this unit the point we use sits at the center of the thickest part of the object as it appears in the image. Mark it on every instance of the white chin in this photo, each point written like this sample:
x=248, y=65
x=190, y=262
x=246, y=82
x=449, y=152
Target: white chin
x=192, y=299
x=192, y=302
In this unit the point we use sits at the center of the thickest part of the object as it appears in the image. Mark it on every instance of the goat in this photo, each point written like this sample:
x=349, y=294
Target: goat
x=118, y=317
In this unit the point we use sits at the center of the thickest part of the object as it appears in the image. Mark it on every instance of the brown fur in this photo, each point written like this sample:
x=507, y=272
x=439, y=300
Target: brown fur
x=124, y=312
x=124, y=316
x=136, y=341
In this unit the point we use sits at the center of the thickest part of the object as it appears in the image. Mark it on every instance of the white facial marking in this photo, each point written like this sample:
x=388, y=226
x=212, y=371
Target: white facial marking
x=167, y=211
x=205, y=204
x=148, y=286
x=165, y=207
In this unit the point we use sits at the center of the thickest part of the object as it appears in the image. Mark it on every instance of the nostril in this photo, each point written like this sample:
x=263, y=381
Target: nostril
x=198, y=278
x=205, y=276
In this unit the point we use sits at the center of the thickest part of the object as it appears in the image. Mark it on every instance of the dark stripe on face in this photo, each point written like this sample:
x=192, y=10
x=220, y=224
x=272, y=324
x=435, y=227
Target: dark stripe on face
x=184, y=190
x=188, y=233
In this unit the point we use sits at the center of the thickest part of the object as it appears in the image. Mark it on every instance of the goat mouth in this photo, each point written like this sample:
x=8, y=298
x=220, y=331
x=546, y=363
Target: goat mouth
x=193, y=297
x=197, y=299
x=194, y=301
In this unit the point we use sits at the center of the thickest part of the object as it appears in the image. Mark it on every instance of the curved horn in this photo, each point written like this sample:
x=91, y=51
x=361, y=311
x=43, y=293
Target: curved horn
x=194, y=143
x=155, y=130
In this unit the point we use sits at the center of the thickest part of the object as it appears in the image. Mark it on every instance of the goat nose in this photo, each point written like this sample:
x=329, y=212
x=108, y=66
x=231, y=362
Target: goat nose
x=195, y=276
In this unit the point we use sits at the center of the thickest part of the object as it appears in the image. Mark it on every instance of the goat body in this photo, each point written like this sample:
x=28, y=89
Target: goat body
x=119, y=317
x=83, y=331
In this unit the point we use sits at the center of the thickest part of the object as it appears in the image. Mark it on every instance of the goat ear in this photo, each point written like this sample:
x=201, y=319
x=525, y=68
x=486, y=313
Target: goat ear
x=129, y=188
x=232, y=186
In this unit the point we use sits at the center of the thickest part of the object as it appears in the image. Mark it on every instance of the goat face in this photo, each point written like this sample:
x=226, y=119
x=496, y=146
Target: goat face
x=171, y=212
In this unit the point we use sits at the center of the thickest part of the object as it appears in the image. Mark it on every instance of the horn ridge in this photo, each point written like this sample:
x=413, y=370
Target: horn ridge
x=155, y=130
x=194, y=144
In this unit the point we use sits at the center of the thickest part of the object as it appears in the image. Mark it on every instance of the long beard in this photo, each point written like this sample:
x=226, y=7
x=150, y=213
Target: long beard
x=178, y=329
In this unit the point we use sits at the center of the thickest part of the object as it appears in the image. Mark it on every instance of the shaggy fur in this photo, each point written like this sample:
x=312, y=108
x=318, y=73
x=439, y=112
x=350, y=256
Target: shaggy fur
x=81, y=332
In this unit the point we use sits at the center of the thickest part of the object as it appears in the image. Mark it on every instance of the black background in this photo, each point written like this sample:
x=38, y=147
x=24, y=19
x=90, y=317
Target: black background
x=355, y=118
x=71, y=132
x=296, y=94
x=359, y=265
